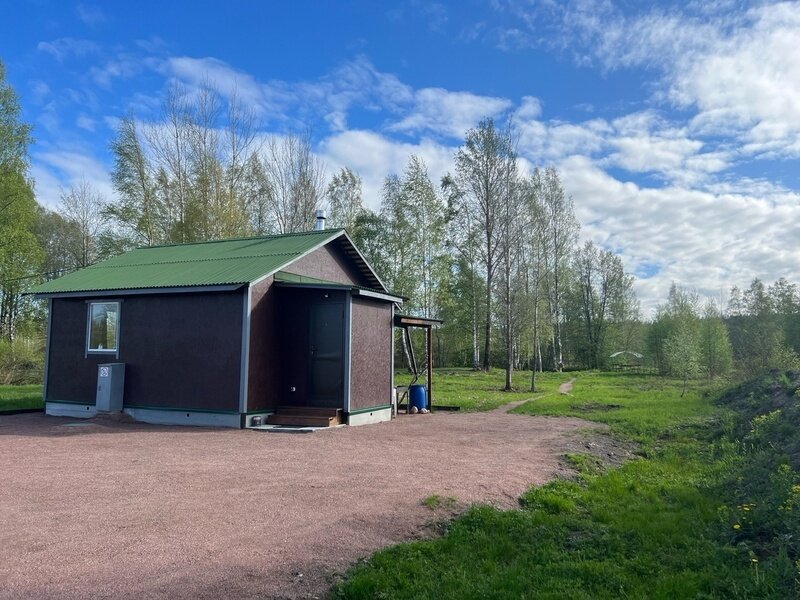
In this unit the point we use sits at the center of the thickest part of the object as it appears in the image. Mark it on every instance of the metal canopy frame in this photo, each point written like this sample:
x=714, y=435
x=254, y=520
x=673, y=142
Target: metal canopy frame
x=406, y=322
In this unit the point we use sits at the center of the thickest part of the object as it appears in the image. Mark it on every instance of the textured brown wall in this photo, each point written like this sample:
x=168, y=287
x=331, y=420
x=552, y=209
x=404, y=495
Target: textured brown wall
x=279, y=352
x=264, y=378
x=279, y=330
x=370, y=375
x=330, y=263
x=180, y=351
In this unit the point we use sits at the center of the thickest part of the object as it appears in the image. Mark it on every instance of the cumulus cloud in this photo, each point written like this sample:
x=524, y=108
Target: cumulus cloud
x=449, y=113
x=738, y=69
x=709, y=240
x=59, y=168
x=374, y=156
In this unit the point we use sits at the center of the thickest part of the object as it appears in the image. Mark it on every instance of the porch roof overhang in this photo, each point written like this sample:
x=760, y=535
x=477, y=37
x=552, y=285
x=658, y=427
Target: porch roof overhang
x=411, y=321
x=292, y=280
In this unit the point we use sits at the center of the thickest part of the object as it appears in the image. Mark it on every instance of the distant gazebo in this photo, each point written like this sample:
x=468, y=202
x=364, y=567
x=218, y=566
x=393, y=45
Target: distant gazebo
x=626, y=360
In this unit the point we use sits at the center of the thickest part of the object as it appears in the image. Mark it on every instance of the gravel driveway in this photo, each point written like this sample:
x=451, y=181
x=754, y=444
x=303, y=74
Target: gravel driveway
x=110, y=509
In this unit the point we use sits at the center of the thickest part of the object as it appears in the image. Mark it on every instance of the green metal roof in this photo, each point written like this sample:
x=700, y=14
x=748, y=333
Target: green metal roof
x=224, y=262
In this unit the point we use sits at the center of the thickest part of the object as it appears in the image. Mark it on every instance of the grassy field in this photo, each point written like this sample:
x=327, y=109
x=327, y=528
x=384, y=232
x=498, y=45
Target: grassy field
x=483, y=391
x=14, y=397
x=669, y=524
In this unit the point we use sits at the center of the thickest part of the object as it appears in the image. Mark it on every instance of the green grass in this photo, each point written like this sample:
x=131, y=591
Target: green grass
x=639, y=407
x=657, y=527
x=471, y=390
x=14, y=397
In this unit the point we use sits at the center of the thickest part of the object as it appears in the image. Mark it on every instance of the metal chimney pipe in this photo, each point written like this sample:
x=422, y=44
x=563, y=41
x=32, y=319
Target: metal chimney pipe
x=320, y=220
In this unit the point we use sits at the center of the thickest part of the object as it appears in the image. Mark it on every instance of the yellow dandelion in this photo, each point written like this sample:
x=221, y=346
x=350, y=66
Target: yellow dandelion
x=737, y=526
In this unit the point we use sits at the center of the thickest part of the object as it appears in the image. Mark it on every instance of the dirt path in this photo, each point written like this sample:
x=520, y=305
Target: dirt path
x=566, y=387
x=122, y=510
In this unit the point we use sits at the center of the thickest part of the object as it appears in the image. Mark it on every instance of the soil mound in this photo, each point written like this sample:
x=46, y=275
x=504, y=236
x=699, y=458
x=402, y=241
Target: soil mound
x=769, y=407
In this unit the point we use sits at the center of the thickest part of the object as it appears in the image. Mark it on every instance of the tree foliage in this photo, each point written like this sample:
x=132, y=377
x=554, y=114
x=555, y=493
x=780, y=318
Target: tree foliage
x=20, y=254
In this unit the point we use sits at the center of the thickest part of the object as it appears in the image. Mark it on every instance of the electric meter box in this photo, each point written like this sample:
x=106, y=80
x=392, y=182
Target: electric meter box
x=110, y=385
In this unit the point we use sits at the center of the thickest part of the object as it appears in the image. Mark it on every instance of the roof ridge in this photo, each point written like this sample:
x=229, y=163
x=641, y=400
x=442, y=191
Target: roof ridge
x=245, y=238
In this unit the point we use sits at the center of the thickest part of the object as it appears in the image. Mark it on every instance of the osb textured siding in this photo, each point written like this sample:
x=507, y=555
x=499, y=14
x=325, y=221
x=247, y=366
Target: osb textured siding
x=370, y=377
x=330, y=263
x=264, y=380
x=180, y=351
x=279, y=330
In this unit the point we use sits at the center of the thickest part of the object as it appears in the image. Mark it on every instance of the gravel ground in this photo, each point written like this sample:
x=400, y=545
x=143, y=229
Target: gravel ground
x=120, y=510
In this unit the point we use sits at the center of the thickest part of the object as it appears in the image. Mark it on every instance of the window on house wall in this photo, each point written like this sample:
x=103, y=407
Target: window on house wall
x=103, y=328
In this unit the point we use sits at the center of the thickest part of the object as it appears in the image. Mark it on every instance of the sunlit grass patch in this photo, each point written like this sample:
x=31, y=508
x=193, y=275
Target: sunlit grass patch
x=14, y=397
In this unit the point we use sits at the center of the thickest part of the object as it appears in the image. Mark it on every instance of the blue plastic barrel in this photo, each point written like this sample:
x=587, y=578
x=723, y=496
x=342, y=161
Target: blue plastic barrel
x=416, y=396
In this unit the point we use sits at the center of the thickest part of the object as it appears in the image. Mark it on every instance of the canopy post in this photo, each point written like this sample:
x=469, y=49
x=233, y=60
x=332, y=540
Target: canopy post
x=429, y=357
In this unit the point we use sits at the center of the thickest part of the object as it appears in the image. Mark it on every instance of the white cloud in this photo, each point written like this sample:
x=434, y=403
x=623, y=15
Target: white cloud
x=749, y=81
x=58, y=169
x=123, y=66
x=449, y=113
x=85, y=122
x=63, y=48
x=90, y=15
x=703, y=239
x=646, y=153
x=40, y=90
x=738, y=69
x=331, y=97
x=375, y=156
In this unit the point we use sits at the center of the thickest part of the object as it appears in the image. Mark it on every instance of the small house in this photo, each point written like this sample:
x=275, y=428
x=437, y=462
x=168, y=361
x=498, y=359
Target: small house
x=281, y=328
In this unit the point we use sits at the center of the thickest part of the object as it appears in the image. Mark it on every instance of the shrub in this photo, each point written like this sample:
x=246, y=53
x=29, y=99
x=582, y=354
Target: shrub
x=21, y=361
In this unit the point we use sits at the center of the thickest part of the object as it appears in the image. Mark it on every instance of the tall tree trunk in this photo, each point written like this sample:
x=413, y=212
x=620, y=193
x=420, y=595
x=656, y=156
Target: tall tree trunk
x=536, y=353
x=476, y=352
x=509, y=338
x=487, y=348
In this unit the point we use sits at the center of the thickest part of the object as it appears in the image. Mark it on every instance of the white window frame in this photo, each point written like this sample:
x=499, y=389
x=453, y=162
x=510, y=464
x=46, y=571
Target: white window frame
x=106, y=351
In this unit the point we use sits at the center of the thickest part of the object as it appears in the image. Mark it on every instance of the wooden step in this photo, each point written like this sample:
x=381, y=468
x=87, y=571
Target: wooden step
x=309, y=411
x=302, y=420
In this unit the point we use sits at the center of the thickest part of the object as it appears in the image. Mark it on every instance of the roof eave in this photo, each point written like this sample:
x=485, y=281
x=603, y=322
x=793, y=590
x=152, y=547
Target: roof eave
x=189, y=289
x=366, y=262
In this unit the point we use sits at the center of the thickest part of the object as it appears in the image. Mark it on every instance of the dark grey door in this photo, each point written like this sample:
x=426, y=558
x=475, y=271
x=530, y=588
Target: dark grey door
x=326, y=368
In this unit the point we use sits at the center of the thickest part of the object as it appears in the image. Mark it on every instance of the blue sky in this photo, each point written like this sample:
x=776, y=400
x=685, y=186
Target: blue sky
x=676, y=127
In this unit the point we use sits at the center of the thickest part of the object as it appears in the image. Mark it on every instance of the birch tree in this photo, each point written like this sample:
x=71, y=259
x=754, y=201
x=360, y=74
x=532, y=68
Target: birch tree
x=534, y=265
x=482, y=165
x=83, y=207
x=19, y=251
x=715, y=346
x=561, y=235
x=184, y=176
x=426, y=221
x=601, y=281
x=138, y=210
x=296, y=182
x=344, y=200
x=510, y=252
x=464, y=241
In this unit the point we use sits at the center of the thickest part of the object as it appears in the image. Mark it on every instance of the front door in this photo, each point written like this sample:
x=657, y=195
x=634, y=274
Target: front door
x=326, y=360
